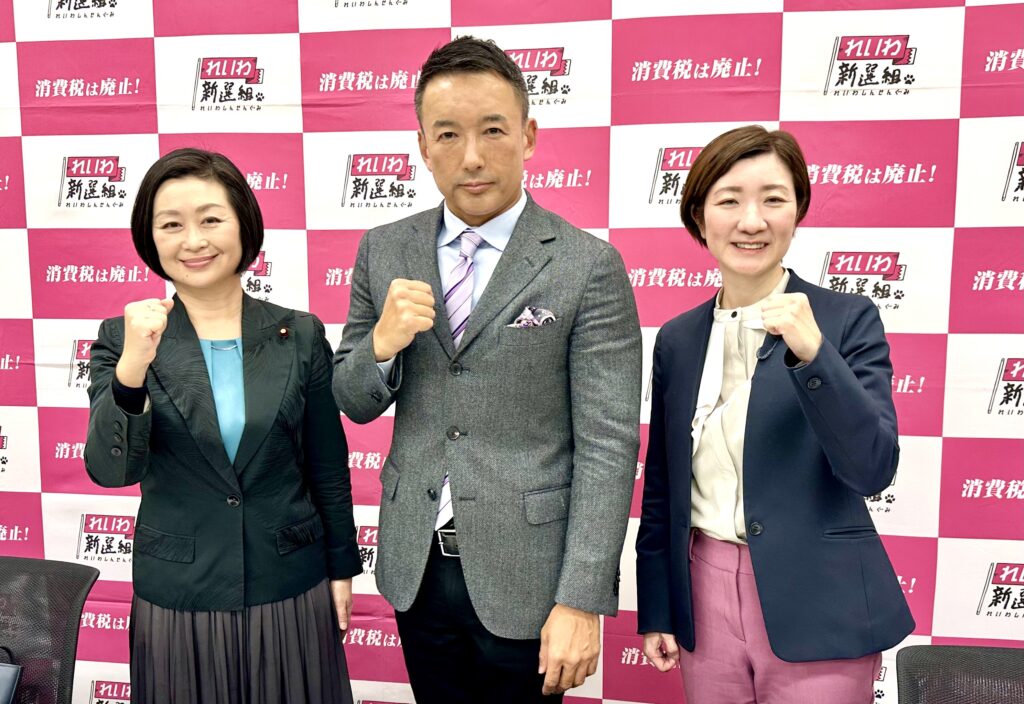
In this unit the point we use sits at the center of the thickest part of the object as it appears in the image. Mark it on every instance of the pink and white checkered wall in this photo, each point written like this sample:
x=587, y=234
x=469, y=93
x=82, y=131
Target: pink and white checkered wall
x=911, y=113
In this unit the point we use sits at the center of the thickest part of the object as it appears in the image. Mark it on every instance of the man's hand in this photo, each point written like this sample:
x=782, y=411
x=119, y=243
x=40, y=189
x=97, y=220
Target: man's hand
x=408, y=309
x=341, y=595
x=570, y=644
x=789, y=315
x=662, y=650
x=144, y=325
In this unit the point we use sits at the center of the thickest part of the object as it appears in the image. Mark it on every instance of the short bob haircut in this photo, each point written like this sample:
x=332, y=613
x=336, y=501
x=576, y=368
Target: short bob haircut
x=469, y=54
x=209, y=166
x=716, y=159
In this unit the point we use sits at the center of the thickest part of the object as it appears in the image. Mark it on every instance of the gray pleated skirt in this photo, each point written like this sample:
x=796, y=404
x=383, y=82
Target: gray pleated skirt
x=285, y=652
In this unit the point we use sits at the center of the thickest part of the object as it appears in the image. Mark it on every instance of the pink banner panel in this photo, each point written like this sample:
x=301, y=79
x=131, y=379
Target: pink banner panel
x=977, y=642
x=190, y=17
x=12, y=184
x=880, y=174
x=832, y=5
x=17, y=366
x=61, y=454
x=628, y=672
x=993, y=79
x=103, y=635
x=332, y=256
x=982, y=488
x=103, y=87
x=914, y=560
x=368, y=447
x=363, y=80
x=986, y=293
x=271, y=164
x=372, y=645
x=570, y=175
x=669, y=271
x=6, y=20
x=471, y=13
x=727, y=69
x=21, y=524
x=97, y=269
x=918, y=381
x=641, y=469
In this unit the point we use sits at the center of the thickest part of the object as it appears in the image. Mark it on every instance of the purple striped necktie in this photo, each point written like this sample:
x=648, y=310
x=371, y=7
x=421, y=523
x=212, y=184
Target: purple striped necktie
x=458, y=294
x=458, y=302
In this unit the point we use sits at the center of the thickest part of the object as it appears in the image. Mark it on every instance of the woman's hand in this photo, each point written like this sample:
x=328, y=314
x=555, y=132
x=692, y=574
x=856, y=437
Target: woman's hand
x=789, y=315
x=144, y=324
x=662, y=650
x=341, y=594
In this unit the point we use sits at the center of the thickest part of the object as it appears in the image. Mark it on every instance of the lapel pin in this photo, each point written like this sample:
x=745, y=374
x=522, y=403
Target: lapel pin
x=283, y=333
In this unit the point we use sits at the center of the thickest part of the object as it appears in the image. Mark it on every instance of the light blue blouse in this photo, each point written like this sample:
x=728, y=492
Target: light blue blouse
x=224, y=364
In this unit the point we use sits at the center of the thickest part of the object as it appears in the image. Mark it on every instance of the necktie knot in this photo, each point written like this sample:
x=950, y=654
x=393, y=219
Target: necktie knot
x=470, y=240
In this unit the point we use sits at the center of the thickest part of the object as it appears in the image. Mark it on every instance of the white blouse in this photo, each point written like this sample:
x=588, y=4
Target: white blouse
x=720, y=419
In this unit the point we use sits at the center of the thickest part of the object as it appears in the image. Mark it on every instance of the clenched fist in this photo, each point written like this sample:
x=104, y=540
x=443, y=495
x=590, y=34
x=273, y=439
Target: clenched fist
x=408, y=309
x=789, y=316
x=144, y=324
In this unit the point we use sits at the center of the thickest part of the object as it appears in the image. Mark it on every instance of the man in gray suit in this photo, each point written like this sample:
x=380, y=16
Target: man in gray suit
x=510, y=343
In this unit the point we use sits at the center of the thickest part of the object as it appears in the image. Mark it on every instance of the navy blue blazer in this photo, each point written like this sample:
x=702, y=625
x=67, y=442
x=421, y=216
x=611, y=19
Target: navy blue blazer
x=818, y=439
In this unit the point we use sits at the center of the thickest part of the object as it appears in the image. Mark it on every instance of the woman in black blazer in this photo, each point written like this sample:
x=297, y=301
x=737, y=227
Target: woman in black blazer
x=220, y=406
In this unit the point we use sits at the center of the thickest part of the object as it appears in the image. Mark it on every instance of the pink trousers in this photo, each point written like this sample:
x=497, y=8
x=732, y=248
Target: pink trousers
x=733, y=662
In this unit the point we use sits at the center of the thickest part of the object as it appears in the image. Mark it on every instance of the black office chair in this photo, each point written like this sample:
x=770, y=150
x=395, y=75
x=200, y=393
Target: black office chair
x=956, y=674
x=40, y=609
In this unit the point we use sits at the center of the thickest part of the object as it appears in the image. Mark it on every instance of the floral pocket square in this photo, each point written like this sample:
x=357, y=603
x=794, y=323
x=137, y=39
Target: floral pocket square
x=532, y=317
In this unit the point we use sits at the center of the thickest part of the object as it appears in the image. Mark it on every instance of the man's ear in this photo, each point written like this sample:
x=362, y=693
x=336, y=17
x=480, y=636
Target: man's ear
x=421, y=139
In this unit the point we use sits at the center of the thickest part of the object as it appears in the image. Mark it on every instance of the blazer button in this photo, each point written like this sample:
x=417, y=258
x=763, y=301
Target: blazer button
x=234, y=501
x=377, y=396
x=455, y=369
x=813, y=383
x=756, y=528
x=432, y=493
x=117, y=426
x=453, y=433
x=116, y=451
x=118, y=438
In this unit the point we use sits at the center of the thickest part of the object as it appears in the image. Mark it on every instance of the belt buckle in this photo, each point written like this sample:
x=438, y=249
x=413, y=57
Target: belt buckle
x=446, y=537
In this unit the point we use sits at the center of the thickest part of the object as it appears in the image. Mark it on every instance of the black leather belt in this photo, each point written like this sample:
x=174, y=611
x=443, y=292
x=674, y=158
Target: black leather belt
x=447, y=541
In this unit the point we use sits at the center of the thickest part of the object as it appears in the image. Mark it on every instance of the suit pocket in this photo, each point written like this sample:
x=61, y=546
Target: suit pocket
x=389, y=480
x=547, y=505
x=164, y=546
x=850, y=533
x=299, y=535
x=520, y=337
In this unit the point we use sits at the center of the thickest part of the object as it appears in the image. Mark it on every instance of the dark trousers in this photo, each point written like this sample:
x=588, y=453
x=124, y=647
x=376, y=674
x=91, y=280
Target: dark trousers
x=452, y=658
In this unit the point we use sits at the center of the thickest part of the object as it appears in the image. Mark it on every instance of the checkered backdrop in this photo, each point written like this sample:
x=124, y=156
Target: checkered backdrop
x=891, y=100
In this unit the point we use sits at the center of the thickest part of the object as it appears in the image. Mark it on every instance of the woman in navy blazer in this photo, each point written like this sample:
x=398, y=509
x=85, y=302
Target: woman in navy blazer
x=771, y=419
x=220, y=406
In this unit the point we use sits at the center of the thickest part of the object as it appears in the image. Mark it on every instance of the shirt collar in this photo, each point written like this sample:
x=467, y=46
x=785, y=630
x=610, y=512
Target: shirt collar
x=496, y=232
x=751, y=315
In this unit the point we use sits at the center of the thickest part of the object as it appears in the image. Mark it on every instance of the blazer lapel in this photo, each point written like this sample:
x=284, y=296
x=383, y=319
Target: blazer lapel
x=181, y=370
x=268, y=354
x=421, y=261
x=522, y=260
x=700, y=353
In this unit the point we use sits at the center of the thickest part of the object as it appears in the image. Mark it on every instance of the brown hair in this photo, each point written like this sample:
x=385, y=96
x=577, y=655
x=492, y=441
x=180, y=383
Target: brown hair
x=722, y=153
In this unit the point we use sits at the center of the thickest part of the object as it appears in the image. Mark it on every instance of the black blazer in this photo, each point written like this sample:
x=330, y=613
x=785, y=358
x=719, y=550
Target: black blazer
x=212, y=536
x=818, y=439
